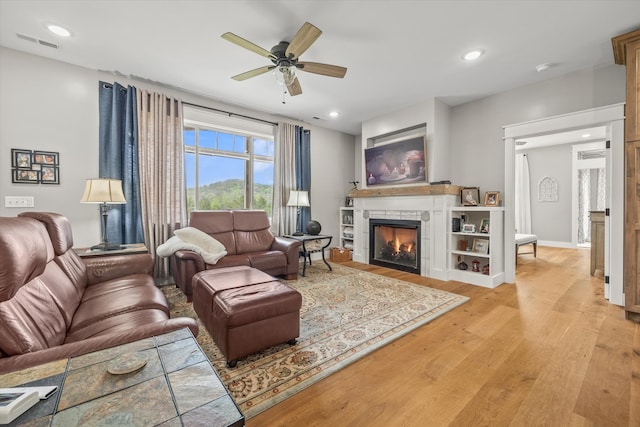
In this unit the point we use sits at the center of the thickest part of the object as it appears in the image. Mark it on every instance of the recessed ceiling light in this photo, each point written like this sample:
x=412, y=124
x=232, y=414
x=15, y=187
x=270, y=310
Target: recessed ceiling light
x=58, y=30
x=334, y=114
x=474, y=54
x=543, y=67
x=586, y=135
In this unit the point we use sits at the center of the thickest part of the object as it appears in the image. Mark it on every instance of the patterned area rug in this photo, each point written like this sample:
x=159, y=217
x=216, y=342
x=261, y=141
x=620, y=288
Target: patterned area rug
x=345, y=315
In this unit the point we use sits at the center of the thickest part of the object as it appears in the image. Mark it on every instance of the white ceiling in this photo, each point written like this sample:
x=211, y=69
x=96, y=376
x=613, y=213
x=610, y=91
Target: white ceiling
x=398, y=53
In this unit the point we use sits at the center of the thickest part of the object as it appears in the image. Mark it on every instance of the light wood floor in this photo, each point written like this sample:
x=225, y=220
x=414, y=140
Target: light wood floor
x=548, y=351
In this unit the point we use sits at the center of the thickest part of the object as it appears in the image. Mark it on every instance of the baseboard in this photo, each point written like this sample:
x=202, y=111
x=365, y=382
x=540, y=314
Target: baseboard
x=556, y=244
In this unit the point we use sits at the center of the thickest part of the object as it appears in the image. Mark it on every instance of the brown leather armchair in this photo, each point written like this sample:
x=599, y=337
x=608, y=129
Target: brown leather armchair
x=53, y=305
x=248, y=241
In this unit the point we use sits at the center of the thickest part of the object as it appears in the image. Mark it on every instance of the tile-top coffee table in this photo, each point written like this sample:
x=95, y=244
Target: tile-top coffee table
x=178, y=386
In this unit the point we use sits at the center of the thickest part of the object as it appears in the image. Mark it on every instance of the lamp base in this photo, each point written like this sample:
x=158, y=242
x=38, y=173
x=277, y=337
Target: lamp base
x=106, y=246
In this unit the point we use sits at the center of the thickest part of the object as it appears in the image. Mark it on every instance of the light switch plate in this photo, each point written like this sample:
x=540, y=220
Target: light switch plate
x=18, y=202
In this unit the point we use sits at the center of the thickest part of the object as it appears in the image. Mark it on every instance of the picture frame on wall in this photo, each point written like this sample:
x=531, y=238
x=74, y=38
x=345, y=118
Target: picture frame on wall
x=20, y=158
x=492, y=198
x=470, y=196
x=35, y=167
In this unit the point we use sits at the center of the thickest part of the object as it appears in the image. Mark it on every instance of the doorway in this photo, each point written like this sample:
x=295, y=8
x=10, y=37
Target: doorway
x=612, y=119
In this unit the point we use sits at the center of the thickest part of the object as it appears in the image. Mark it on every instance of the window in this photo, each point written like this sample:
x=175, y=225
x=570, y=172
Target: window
x=227, y=168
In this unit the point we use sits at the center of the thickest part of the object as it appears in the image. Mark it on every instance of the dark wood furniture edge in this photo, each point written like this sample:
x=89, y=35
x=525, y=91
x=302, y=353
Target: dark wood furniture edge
x=619, y=43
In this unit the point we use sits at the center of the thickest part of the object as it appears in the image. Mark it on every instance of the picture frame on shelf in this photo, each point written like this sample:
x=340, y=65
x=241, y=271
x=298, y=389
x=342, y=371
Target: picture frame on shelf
x=492, y=198
x=470, y=196
x=468, y=228
x=484, y=225
x=348, y=202
x=480, y=246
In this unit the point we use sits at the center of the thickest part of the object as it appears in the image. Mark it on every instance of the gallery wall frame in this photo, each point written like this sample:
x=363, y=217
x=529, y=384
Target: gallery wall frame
x=35, y=166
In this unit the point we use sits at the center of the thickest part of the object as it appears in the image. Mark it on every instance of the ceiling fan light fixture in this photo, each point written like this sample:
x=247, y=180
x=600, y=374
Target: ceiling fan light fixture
x=285, y=74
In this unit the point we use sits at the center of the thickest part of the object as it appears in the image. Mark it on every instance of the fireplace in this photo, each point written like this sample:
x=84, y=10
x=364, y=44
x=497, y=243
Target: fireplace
x=395, y=244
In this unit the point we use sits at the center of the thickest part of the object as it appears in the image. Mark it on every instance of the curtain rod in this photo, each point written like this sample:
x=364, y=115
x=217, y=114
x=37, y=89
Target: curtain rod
x=230, y=113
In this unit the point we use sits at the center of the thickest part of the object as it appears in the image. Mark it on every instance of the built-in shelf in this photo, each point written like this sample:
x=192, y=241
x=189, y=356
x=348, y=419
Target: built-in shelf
x=346, y=228
x=489, y=246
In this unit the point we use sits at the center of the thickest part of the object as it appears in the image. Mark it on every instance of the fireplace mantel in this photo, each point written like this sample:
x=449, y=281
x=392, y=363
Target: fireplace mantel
x=420, y=190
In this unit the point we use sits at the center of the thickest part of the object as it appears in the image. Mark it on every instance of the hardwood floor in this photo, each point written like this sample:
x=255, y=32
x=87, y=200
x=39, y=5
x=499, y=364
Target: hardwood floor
x=547, y=350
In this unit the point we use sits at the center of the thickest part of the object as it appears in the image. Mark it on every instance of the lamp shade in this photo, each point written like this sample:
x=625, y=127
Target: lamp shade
x=103, y=190
x=298, y=198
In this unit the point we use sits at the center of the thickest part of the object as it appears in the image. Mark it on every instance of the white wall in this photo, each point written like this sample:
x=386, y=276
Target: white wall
x=53, y=106
x=432, y=112
x=477, y=151
x=551, y=221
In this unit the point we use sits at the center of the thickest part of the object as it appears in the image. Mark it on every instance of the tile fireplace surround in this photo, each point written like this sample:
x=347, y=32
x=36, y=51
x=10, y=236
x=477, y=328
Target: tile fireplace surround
x=427, y=204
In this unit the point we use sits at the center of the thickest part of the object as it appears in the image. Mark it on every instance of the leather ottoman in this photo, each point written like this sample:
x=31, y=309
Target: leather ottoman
x=246, y=310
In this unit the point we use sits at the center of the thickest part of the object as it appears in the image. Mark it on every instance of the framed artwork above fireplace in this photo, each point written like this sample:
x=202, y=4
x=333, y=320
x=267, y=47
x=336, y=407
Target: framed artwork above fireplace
x=397, y=163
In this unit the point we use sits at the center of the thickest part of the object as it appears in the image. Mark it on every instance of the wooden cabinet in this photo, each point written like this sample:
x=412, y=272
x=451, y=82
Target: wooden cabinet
x=346, y=228
x=597, y=243
x=626, y=49
x=476, y=252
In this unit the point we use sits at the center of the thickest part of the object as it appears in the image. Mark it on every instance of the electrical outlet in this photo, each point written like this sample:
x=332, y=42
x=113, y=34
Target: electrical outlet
x=18, y=202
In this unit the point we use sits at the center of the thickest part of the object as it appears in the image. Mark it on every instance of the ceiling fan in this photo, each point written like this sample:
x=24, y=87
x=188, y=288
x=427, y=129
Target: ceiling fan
x=285, y=58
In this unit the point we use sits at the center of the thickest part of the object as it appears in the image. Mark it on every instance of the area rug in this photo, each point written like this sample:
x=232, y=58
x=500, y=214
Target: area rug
x=346, y=314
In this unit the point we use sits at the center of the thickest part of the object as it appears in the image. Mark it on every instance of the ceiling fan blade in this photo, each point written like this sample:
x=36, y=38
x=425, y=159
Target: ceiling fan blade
x=306, y=35
x=253, y=73
x=294, y=88
x=323, y=69
x=247, y=45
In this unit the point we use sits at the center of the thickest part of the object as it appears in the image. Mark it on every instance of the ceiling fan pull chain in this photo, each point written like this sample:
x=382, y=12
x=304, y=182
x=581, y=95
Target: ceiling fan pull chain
x=284, y=92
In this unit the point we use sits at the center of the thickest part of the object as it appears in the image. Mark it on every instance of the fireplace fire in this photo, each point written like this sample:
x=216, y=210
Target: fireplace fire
x=395, y=244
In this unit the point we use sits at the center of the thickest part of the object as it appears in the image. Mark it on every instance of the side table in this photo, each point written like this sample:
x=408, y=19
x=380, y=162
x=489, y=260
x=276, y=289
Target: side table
x=308, y=248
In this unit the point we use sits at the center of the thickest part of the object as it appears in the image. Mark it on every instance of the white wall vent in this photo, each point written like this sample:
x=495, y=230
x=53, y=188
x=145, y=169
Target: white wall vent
x=37, y=41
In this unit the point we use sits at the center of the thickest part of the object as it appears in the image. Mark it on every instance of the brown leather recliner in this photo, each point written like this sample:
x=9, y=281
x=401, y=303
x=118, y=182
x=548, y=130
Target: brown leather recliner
x=248, y=241
x=54, y=305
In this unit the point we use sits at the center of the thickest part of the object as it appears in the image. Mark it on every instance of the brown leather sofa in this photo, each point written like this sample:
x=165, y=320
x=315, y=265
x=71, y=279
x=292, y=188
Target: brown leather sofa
x=246, y=236
x=54, y=304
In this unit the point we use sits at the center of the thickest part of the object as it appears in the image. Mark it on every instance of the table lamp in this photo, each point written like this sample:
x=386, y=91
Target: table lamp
x=106, y=192
x=298, y=199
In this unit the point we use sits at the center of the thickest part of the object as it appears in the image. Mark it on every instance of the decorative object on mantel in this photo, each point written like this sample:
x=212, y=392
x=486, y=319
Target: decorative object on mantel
x=470, y=196
x=35, y=167
x=355, y=184
x=398, y=163
x=548, y=189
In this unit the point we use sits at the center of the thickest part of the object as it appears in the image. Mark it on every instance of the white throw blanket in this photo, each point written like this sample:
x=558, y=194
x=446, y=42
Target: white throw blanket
x=174, y=244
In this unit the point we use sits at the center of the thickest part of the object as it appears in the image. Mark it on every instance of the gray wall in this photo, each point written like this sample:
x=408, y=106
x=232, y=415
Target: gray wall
x=477, y=151
x=551, y=221
x=53, y=106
